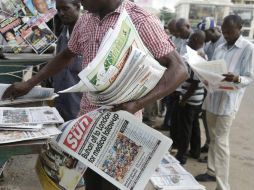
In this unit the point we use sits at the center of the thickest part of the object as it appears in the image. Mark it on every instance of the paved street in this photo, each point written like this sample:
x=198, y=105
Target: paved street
x=20, y=174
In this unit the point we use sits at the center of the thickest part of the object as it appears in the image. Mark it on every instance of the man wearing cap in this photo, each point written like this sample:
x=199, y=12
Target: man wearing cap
x=213, y=35
x=221, y=106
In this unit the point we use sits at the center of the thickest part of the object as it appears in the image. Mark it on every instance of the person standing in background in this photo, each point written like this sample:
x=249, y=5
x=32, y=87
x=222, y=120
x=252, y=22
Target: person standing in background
x=213, y=39
x=67, y=104
x=222, y=106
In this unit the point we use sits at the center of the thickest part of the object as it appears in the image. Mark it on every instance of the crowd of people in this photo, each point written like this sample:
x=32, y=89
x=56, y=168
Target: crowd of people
x=191, y=102
x=183, y=94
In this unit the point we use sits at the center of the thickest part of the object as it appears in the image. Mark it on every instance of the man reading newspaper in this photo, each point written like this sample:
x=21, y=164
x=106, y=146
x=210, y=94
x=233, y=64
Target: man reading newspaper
x=85, y=40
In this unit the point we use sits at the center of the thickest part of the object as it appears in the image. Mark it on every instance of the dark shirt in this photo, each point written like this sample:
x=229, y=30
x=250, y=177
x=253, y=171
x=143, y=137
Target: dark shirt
x=67, y=104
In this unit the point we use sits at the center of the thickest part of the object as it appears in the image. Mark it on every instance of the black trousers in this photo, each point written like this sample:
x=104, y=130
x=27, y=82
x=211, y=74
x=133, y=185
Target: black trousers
x=188, y=131
x=94, y=181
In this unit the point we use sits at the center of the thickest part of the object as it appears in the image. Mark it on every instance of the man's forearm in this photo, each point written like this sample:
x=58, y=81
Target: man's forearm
x=53, y=67
x=175, y=74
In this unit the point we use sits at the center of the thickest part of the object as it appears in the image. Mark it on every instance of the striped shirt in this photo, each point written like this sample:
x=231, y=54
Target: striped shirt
x=196, y=99
x=240, y=61
x=89, y=31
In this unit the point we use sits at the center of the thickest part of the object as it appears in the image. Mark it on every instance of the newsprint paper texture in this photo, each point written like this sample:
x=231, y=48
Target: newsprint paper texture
x=58, y=170
x=29, y=115
x=116, y=145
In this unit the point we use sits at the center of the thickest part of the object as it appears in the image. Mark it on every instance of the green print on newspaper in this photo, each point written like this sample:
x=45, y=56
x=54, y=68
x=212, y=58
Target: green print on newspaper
x=112, y=57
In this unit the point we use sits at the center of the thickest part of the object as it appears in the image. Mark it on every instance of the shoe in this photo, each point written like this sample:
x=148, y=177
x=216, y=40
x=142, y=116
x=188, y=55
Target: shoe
x=193, y=155
x=182, y=160
x=205, y=148
x=203, y=160
x=205, y=178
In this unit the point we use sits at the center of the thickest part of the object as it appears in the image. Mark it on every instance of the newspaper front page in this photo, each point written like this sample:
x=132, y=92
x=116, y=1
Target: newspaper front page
x=57, y=170
x=29, y=115
x=116, y=145
x=170, y=175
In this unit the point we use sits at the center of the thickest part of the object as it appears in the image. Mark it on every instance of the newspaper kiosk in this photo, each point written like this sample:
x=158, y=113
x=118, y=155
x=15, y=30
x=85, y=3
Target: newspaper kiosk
x=17, y=68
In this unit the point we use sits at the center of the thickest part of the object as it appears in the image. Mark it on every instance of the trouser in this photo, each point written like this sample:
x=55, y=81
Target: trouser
x=150, y=114
x=94, y=181
x=218, y=154
x=170, y=102
x=204, y=120
x=189, y=131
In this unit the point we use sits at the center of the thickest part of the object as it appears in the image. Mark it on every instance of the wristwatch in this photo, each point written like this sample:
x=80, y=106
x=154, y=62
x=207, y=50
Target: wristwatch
x=238, y=80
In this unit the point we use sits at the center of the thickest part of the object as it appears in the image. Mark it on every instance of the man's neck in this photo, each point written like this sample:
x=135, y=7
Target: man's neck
x=70, y=27
x=110, y=7
x=216, y=39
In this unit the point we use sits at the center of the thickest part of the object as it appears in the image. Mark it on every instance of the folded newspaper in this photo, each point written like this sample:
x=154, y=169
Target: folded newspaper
x=209, y=72
x=123, y=68
x=36, y=94
x=116, y=145
x=170, y=175
x=16, y=136
x=29, y=115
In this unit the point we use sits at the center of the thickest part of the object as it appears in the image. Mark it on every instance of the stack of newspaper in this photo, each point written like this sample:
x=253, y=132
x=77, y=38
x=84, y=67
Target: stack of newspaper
x=19, y=124
x=122, y=70
x=170, y=175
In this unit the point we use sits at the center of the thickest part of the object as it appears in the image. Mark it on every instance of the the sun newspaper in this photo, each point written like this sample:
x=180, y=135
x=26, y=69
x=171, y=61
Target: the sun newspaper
x=122, y=59
x=36, y=94
x=116, y=145
x=170, y=175
x=209, y=72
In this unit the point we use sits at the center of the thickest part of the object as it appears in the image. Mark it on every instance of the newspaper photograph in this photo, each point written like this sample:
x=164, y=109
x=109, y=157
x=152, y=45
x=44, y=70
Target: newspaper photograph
x=116, y=145
x=170, y=175
x=57, y=170
x=16, y=136
x=29, y=115
x=209, y=72
x=44, y=10
x=8, y=7
x=9, y=30
x=37, y=34
x=36, y=94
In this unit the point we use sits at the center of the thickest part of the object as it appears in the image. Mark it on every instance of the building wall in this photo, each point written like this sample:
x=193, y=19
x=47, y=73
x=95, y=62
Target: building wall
x=196, y=10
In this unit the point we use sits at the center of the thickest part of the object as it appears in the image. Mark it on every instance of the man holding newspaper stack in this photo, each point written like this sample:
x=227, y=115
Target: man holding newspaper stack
x=85, y=40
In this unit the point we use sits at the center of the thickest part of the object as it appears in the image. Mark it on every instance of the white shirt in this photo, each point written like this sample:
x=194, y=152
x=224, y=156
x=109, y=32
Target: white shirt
x=240, y=61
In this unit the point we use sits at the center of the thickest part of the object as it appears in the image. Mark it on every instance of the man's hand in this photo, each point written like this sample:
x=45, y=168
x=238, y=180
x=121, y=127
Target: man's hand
x=230, y=77
x=17, y=89
x=131, y=107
